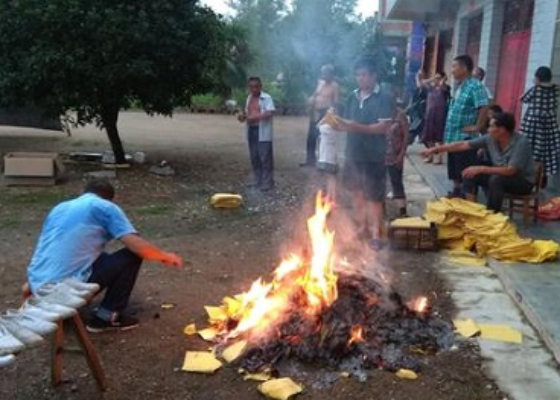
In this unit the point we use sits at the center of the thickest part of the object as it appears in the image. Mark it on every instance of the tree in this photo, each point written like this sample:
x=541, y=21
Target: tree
x=98, y=57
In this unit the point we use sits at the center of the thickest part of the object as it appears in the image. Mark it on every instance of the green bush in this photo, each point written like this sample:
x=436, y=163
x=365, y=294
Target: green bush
x=208, y=100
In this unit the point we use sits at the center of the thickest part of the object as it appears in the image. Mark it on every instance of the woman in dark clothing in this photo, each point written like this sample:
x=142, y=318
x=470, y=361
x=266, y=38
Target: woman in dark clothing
x=540, y=122
x=436, y=111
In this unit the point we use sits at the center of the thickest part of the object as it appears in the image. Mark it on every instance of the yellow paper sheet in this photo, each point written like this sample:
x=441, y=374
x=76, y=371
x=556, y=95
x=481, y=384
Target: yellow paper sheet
x=235, y=350
x=201, y=361
x=463, y=257
x=190, y=330
x=280, y=389
x=215, y=313
x=259, y=377
x=501, y=333
x=466, y=328
x=208, y=334
x=412, y=222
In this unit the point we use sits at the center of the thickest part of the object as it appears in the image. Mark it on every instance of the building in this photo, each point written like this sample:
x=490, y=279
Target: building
x=509, y=49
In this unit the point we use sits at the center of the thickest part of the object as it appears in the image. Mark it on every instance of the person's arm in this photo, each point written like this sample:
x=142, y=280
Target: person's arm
x=336, y=95
x=379, y=128
x=149, y=251
x=481, y=102
x=447, y=148
x=473, y=171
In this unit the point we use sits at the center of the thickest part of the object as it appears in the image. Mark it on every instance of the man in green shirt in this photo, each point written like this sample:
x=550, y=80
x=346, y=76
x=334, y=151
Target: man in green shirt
x=368, y=114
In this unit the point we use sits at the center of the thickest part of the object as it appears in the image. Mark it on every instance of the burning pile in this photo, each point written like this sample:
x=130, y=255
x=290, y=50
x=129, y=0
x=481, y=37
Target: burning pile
x=310, y=313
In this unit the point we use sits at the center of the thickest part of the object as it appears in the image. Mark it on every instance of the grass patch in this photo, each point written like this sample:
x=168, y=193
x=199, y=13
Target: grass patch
x=153, y=210
x=44, y=198
x=9, y=222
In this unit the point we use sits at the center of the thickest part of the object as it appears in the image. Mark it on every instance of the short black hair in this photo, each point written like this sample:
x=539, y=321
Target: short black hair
x=101, y=187
x=496, y=108
x=368, y=64
x=504, y=120
x=466, y=61
x=544, y=74
x=482, y=73
x=254, y=79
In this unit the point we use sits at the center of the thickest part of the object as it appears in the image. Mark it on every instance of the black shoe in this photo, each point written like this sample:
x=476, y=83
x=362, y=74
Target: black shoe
x=121, y=323
x=307, y=164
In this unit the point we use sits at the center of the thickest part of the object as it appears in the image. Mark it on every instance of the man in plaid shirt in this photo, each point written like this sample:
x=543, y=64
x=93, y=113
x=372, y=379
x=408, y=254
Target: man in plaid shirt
x=465, y=119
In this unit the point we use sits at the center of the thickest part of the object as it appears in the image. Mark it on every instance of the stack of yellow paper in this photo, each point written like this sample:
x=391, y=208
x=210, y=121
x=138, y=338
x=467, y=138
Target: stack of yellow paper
x=468, y=226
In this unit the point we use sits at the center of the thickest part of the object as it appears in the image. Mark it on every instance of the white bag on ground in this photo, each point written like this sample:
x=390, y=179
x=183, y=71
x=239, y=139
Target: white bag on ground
x=328, y=148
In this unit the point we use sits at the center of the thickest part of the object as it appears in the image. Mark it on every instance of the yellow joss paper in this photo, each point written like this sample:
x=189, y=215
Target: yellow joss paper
x=466, y=328
x=464, y=257
x=259, y=377
x=412, y=222
x=406, y=374
x=208, y=334
x=226, y=200
x=215, y=313
x=201, y=361
x=501, y=333
x=231, y=305
x=280, y=389
x=190, y=330
x=234, y=351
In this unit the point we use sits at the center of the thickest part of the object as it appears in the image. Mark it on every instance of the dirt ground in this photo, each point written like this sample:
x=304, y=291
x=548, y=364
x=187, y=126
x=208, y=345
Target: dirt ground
x=225, y=250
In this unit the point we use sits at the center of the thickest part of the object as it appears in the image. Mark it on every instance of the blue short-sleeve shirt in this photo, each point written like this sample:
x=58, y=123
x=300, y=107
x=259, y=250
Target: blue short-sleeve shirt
x=73, y=236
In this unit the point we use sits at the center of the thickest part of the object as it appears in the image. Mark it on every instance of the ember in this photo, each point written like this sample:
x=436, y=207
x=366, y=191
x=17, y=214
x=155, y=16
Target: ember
x=310, y=313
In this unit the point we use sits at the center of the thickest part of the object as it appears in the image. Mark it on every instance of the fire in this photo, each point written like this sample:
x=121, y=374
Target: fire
x=356, y=335
x=420, y=305
x=311, y=283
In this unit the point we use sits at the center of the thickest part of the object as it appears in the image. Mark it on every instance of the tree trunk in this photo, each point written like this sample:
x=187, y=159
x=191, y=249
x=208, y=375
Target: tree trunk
x=109, y=116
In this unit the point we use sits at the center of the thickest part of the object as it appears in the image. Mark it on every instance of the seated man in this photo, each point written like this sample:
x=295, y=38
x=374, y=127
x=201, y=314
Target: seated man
x=511, y=166
x=71, y=245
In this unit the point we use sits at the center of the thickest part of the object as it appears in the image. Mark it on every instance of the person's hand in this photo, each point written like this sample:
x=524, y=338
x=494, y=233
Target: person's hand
x=342, y=125
x=428, y=152
x=241, y=117
x=253, y=119
x=472, y=172
x=172, y=260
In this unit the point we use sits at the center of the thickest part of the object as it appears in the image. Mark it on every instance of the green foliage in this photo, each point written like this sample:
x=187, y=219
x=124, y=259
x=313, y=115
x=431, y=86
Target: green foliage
x=207, y=100
x=297, y=40
x=97, y=57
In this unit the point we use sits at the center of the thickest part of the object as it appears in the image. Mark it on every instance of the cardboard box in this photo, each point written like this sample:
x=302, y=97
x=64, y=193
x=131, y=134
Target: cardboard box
x=32, y=169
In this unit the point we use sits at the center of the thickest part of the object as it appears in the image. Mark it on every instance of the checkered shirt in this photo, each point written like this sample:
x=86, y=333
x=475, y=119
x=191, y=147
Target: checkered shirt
x=470, y=96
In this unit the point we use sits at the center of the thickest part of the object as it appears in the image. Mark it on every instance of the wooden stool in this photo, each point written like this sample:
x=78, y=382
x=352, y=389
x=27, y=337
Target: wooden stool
x=413, y=238
x=77, y=325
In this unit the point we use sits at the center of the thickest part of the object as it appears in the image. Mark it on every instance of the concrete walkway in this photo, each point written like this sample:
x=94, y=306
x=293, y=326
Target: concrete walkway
x=535, y=288
x=491, y=295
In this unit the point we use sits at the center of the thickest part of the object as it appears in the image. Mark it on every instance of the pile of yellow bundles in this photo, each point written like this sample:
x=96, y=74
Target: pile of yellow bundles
x=469, y=226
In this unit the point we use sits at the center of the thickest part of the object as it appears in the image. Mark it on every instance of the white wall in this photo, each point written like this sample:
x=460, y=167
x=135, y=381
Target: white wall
x=542, y=37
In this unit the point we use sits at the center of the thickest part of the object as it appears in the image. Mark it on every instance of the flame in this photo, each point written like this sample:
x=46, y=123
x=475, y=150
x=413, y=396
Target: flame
x=356, y=335
x=420, y=305
x=312, y=283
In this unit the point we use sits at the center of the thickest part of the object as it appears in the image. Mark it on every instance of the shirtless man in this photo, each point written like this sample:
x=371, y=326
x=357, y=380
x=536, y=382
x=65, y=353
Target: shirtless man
x=325, y=97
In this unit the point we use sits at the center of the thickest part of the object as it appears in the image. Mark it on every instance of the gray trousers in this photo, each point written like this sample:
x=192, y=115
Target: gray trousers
x=262, y=159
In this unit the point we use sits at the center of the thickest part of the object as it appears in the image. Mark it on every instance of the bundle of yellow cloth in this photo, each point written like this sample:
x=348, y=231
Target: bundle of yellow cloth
x=464, y=225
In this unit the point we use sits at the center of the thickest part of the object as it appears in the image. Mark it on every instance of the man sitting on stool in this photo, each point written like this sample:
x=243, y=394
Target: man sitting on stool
x=511, y=166
x=71, y=245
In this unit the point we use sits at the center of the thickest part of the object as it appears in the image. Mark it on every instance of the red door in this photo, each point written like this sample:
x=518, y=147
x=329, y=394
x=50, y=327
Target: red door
x=512, y=71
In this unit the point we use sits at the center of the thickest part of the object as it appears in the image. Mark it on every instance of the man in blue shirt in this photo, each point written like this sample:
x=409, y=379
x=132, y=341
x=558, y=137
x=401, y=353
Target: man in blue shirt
x=369, y=113
x=71, y=245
